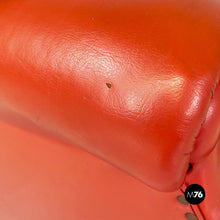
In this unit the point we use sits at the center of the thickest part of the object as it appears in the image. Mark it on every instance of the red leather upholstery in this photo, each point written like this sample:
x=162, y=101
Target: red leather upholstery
x=43, y=179
x=134, y=83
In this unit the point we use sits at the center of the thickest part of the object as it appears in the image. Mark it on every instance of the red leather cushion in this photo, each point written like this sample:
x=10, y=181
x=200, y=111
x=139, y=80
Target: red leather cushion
x=130, y=82
x=44, y=179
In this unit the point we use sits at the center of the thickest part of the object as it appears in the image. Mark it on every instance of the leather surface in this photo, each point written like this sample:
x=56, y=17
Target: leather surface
x=160, y=61
x=44, y=179
x=210, y=130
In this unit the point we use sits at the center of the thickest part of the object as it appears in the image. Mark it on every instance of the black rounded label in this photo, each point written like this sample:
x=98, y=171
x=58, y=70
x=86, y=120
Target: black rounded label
x=195, y=194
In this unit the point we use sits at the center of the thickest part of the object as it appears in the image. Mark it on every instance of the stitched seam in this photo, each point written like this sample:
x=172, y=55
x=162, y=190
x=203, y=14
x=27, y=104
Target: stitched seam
x=193, y=210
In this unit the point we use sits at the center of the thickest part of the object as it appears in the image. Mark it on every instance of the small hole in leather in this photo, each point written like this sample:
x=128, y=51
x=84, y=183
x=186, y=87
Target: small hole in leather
x=109, y=85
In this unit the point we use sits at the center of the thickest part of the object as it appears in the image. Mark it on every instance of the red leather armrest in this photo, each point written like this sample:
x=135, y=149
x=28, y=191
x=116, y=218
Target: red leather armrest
x=130, y=82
